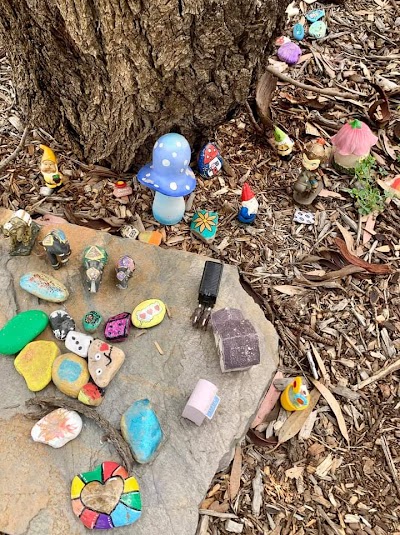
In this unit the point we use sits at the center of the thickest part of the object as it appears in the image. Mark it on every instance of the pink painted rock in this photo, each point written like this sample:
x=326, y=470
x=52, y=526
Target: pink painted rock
x=104, y=361
x=57, y=428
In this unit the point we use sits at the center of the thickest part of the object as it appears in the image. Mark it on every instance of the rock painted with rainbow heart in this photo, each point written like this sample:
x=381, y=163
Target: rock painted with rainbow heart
x=148, y=313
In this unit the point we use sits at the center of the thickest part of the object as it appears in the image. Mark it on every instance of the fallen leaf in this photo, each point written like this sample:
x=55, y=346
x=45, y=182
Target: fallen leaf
x=327, y=193
x=386, y=144
x=378, y=269
x=296, y=420
x=349, y=240
x=289, y=290
x=265, y=90
x=311, y=130
x=379, y=111
x=268, y=403
x=317, y=284
x=295, y=472
x=369, y=227
x=259, y=440
x=338, y=274
x=334, y=405
x=236, y=472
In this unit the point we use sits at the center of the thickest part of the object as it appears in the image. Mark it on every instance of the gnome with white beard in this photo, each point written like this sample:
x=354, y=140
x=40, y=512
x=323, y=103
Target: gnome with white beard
x=249, y=205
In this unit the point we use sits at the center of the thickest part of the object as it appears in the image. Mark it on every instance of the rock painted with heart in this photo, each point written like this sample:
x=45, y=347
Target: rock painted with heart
x=104, y=360
x=106, y=497
x=57, y=428
x=148, y=313
x=35, y=363
x=70, y=373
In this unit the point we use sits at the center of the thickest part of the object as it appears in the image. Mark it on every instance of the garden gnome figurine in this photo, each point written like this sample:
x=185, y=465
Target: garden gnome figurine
x=249, y=209
x=283, y=143
x=170, y=176
x=49, y=170
x=308, y=185
x=352, y=144
x=318, y=149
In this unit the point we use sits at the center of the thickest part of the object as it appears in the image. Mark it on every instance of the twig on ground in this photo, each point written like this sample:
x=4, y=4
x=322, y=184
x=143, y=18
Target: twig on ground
x=390, y=463
x=9, y=159
x=383, y=373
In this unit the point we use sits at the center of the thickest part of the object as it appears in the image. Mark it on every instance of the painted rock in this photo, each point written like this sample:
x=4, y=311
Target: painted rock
x=20, y=330
x=290, y=53
x=204, y=225
x=317, y=29
x=44, y=287
x=104, y=360
x=106, y=497
x=141, y=429
x=129, y=231
x=78, y=343
x=121, y=189
x=57, y=428
x=61, y=323
x=282, y=40
x=315, y=14
x=148, y=313
x=35, y=362
x=91, y=321
x=91, y=394
x=70, y=373
x=117, y=327
x=209, y=161
x=298, y=32
x=154, y=237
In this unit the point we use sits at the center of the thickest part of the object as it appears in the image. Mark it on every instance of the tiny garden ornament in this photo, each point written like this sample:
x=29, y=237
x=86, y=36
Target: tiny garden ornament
x=319, y=149
x=295, y=397
x=204, y=225
x=124, y=271
x=170, y=176
x=290, y=53
x=94, y=260
x=283, y=143
x=309, y=184
x=57, y=248
x=210, y=161
x=249, y=205
x=49, y=170
x=23, y=231
x=351, y=145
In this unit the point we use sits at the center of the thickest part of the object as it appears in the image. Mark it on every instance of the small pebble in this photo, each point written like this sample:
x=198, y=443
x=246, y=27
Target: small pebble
x=298, y=32
x=317, y=29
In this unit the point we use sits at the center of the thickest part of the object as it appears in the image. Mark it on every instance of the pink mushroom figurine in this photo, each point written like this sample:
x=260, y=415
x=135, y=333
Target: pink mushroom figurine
x=352, y=144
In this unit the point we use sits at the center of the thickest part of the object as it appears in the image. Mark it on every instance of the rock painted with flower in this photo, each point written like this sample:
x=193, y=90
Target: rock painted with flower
x=204, y=225
x=57, y=428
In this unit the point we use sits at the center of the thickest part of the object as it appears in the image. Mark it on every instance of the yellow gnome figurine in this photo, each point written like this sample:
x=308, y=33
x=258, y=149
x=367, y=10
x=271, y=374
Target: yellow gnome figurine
x=49, y=170
x=295, y=397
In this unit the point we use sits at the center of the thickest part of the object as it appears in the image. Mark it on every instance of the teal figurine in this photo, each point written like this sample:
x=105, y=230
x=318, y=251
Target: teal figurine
x=94, y=260
x=249, y=205
x=298, y=32
x=141, y=429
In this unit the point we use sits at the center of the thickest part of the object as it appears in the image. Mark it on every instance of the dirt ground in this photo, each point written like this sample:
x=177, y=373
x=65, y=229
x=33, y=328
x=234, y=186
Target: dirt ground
x=335, y=472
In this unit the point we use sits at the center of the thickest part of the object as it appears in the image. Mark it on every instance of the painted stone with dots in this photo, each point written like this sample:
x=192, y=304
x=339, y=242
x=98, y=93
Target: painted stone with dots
x=78, y=343
x=117, y=327
x=104, y=361
x=170, y=176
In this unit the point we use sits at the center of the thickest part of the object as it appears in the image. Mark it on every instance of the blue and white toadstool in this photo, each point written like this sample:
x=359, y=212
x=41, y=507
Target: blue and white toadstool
x=170, y=176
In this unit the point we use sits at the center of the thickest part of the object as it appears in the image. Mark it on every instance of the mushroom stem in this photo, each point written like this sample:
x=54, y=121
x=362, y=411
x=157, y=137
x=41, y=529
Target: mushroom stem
x=168, y=210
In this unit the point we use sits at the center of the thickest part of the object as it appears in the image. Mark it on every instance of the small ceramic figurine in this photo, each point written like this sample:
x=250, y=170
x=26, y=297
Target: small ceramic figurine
x=94, y=260
x=209, y=161
x=124, y=271
x=295, y=397
x=23, y=231
x=318, y=149
x=121, y=189
x=49, y=170
x=352, y=144
x=308, y=185
x=57, y=248
x=283, y=143
x=290, y=53
x=170, y=176
x=129, y=231
x=249, y=209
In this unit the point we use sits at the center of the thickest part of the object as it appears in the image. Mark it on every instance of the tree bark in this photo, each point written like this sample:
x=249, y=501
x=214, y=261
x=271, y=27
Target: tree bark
x=110, y=76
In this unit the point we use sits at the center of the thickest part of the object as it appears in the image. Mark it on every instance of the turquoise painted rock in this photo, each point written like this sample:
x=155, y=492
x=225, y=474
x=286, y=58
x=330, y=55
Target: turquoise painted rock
x=44, y=287
x=315, y=14
x=204, y=225
x=20, y=330
x=91, y=321
x=298, y=32
x=141, y=429
x=70, y=373
x=318, y=29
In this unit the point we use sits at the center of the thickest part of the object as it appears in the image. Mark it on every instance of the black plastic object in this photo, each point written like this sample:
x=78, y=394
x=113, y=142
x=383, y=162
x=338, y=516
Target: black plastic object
x=208, y=293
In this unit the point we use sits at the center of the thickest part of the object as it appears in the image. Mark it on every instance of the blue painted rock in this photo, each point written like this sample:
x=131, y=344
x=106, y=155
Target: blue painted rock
x=141, y=429
x=209, y=161
x=70, y=373
x=61, y=323
x=117, y=327
x=106, y=497
x=317, y=29
x=204, y=225
x=78, y=343
x=35, y=362
x=315, y=14
x=20, y=330
x=298, y=32
x=57, y=428
x=148, y=313
x=104, y=360
x=91, y=321
x=44, y=287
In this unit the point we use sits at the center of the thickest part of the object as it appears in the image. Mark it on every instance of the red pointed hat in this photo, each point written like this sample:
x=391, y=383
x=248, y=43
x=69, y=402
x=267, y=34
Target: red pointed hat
x=247, y=192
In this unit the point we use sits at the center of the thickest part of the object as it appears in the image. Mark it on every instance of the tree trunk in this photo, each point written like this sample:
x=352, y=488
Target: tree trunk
x=110, y=76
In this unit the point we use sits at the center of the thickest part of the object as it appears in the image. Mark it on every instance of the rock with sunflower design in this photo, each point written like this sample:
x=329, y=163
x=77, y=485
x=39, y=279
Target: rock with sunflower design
x=57, y=428
x=204, y=225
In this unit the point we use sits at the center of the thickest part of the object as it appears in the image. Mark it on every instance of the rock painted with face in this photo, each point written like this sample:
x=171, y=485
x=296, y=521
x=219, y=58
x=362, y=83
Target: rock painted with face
x=104, y=361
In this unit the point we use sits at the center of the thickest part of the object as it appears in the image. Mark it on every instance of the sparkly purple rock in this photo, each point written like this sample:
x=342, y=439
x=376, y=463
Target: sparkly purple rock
x=236, y=340
x=290, y=53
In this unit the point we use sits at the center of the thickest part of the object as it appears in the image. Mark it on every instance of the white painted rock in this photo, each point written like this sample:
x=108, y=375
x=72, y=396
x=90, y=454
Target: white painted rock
x=57, y=428
x=78, y=343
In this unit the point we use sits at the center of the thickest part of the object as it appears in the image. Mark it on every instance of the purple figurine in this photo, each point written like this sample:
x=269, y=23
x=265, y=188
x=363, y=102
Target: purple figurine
x=124, y=270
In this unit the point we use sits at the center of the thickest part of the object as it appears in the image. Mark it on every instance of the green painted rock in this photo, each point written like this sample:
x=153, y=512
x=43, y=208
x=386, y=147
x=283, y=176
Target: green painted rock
x=20, y=330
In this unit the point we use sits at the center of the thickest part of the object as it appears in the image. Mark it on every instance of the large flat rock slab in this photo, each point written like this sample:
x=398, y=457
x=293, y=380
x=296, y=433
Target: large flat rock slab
x=35, y=479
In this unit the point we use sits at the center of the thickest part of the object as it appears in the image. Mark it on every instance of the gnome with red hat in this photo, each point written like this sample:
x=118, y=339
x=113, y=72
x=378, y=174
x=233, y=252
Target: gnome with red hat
x=249, y=209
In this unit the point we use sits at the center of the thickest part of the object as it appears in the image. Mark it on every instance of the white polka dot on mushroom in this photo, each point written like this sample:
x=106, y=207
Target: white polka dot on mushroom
x=166, y=163
x=147, y=174
x=173, y=186
x=174, y=154
x=156, y=144
x=182, y=170
x=161, y=145
x=178, y=144
x=187, y=187
x=185, y=162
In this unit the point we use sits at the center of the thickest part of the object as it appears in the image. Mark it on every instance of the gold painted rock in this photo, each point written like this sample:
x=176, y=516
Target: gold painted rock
x=35, y=362
x=148, y=313
x=44, y=287
x=104, y=360
x=70, y=373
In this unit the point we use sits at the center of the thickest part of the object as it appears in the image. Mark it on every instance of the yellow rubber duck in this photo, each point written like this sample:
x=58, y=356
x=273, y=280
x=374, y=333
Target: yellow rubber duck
x=49, y=168
x=295, y=397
